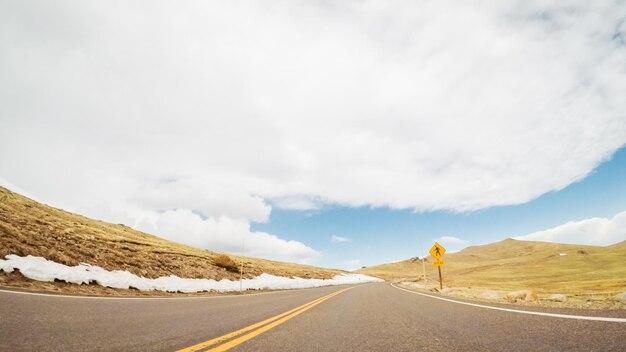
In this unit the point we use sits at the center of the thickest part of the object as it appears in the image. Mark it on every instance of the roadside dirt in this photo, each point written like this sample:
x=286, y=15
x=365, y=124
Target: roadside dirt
x=579, y=301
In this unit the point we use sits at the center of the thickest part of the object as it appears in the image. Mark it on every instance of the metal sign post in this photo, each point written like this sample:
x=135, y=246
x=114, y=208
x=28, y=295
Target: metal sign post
x=440, y=279
x=424, y=267
x=437, y=252
x=423, y=260
x=241, y=268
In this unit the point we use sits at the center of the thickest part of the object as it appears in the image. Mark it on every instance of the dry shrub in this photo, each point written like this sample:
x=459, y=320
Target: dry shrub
x=224, y=261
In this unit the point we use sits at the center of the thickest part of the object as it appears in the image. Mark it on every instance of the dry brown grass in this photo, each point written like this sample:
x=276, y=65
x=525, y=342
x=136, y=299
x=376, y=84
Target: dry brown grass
x=584, y=273
x=30, y=228
x=224, y=261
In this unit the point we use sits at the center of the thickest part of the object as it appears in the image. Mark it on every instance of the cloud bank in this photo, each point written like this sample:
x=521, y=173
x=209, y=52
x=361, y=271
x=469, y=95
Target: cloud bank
x=335, y=238
x=594, y=231
x=150, y=112
x=450, y=240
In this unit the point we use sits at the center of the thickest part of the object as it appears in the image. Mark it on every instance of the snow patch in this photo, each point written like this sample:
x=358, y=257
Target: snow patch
x=558, y=297
x=488, y=294
x=40, y=269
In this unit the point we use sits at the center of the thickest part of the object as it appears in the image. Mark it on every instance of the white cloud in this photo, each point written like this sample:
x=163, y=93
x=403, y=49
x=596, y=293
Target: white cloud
x=211, y=200
x=226, y=234
x=594, y=231
x=335, y=238
x=450, y=240
x=296, y=203
x=224, y=108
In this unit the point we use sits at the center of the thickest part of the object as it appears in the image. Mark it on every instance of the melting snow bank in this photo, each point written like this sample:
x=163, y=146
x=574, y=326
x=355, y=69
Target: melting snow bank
x=40, y=269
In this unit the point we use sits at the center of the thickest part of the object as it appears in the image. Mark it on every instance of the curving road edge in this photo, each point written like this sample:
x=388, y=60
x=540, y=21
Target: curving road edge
x=553, y=315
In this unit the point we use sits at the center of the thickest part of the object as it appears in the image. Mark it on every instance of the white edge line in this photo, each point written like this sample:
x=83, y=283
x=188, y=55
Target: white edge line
x=222, y=295
x=554, y=315
x=149, y=298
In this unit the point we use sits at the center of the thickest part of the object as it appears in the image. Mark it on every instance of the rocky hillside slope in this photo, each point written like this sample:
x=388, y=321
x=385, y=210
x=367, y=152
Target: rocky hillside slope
x=30, y=228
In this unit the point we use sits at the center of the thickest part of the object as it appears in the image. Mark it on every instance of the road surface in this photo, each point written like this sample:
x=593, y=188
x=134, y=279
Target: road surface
x=369, y=317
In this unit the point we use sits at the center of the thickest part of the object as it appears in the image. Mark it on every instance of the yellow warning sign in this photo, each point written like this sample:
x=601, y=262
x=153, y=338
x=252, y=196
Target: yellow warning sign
x=437, y=251
x=438, y=262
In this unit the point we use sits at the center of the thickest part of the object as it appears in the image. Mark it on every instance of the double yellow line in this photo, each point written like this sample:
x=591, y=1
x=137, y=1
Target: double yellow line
x=249, y=332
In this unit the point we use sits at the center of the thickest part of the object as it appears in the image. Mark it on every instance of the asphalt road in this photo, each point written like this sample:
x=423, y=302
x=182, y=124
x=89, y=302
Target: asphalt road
x=370, y=317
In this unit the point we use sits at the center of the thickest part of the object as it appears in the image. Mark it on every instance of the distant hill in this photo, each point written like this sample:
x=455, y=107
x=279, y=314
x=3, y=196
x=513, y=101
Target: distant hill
x=619, y=245
x=514, y=264
x=30, y=228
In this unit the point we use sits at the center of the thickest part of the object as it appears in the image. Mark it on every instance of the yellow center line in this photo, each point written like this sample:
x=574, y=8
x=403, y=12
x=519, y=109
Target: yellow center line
x=255, y=333
x=268, y=323
x=228, y=336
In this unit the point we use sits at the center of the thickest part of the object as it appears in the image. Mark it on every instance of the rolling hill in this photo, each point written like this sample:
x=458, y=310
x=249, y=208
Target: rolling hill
x=30, y=228
x=512, y=264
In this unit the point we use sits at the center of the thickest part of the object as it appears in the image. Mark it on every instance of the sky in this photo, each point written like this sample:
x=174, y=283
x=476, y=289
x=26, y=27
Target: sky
x=593, y=209
x=334, y=133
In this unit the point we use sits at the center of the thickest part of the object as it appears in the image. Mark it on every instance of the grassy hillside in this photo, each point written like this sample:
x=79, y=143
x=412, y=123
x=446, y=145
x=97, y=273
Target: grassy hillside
x=31, y=228
x=513, y=264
